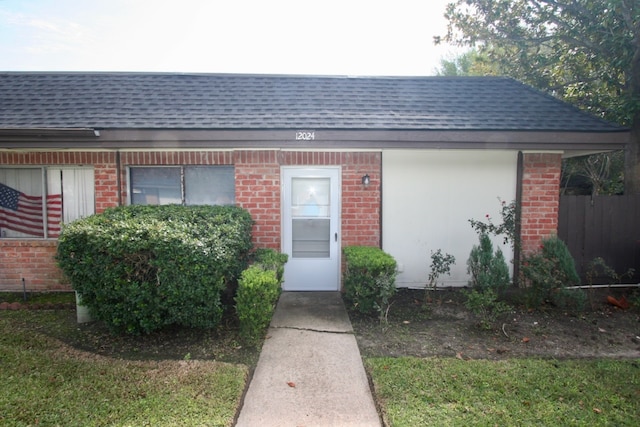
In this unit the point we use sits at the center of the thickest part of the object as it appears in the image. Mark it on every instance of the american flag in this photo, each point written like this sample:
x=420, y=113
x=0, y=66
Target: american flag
x=23, y=213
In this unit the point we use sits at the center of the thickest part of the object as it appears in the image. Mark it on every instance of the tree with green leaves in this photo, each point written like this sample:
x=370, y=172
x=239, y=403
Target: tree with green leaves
x=469, y=63
x=461, y=65
x=586, y=52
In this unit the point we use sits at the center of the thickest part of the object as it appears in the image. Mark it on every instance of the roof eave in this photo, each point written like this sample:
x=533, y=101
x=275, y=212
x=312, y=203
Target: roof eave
x=114, y=139
x=30, y=134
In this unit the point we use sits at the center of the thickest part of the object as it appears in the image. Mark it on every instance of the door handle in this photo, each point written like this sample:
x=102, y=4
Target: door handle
x=336, y=237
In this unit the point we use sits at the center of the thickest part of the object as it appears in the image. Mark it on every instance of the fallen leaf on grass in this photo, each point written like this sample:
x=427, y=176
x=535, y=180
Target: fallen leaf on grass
x=291, y=384
x=597, y=410
x=525, y=340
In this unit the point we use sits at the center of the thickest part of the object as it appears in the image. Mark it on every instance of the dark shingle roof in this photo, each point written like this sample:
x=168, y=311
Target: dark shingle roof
x=219, y=101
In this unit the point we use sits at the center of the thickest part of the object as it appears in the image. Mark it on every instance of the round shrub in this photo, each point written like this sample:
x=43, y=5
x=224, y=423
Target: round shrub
x=139, y=268
x=369, y=278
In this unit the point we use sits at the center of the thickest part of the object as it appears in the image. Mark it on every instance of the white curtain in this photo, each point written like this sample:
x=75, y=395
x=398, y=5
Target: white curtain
x=76, y=186
x=27, y=180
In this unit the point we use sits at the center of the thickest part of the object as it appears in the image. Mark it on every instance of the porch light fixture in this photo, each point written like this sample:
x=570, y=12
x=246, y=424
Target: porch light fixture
x=366, y=180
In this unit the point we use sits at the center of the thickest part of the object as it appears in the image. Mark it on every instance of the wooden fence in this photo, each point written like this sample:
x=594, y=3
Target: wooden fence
x=602, y=226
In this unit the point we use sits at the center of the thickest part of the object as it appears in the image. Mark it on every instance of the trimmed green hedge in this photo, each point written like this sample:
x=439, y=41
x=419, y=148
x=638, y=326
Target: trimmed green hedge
x=258, y=290
x=139, y=268
x=369, y=278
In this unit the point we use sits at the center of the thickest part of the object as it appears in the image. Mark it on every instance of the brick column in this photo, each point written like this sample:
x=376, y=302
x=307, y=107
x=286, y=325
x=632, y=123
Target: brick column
x=540, y=198
x=106, y=182
x=258, y=191
x=361, y=204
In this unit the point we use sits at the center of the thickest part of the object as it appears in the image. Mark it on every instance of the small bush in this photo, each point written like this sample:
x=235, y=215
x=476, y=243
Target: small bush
x=485, y=305
x=488, y=269
x=369, y=279
x=598, y=268
x=547, y=272
x=489, y=279
x=258, y=292
x=440, y=264
x=139, y=268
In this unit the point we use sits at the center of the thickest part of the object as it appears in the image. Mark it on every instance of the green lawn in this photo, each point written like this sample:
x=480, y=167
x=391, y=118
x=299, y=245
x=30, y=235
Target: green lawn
x=527, y=392
x=44, y=382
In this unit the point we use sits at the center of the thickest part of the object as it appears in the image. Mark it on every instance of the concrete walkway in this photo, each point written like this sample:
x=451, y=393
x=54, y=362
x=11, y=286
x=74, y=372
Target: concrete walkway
x=310, y=372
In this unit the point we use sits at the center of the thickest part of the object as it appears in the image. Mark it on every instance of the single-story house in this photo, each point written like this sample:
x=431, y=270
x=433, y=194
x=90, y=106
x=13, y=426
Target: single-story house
x=320, y=162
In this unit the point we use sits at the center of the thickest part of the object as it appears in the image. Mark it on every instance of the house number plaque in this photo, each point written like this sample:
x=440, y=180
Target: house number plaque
x=305, y=136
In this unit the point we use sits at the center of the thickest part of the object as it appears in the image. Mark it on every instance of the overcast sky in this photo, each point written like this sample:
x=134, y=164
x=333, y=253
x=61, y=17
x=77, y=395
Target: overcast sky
x=325, y=37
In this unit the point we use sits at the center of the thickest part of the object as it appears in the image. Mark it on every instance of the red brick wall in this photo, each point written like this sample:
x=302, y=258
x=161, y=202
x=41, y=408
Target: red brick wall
x=361, y=204
x=540, y=198
x=32, y=260
x=257, y=190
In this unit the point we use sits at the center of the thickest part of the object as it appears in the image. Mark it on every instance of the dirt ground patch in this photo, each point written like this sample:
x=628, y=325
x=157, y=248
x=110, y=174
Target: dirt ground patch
x=444, y=327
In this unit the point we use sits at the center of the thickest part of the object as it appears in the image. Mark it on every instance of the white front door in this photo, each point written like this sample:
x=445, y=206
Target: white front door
x=310, y=229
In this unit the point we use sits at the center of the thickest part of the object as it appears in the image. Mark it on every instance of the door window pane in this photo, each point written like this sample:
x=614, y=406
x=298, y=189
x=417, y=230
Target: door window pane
x=310, y=197
x=311, y=238
x=310, y=206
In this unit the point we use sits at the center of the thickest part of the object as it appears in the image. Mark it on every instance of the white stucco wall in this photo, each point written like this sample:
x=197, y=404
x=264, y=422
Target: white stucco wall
x=428, y=197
